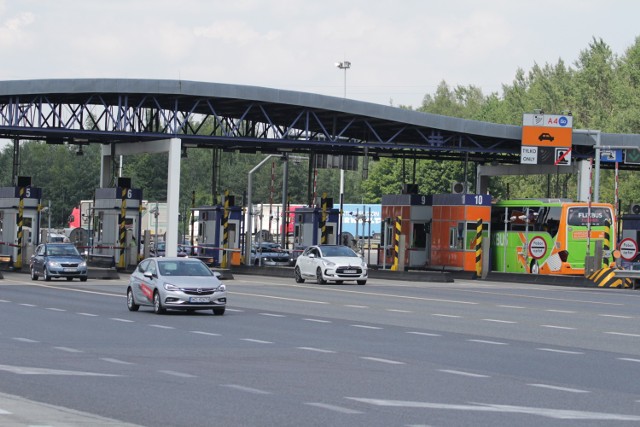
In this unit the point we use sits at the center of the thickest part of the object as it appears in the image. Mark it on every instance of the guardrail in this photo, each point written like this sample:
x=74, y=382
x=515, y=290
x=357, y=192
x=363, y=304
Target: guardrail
x=634, y=275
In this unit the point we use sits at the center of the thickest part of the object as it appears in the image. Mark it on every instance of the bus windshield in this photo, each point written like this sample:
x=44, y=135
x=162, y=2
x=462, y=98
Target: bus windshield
x=580, y=217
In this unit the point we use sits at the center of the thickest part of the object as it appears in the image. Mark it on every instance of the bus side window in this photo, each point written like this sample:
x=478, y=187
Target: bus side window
x=552, y=223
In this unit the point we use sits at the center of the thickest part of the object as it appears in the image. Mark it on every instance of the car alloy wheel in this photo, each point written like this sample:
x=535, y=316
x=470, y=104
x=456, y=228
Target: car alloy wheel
x=157, y=304
x=319, y=278
x=218, y=311
x=131, y=303
x=299, y=278
x=34, y=276
x=46, y=275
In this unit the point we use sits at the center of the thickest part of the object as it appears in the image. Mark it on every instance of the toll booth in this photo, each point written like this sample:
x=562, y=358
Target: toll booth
x=309, y=223
x=455, y=230
x=19, y=223
x=116, y=224
x=406, y=219
x=628, y=239
x=217, y=236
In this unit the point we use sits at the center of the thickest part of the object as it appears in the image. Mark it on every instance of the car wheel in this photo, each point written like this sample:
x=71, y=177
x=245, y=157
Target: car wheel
x=69, y=279
x=319, y=278
x=34, y=276
x=299, y=278
x=131, y=303
x=83, y=278
x=157, y=304
x=218, y=311
x=362, y=282
x=45, y=274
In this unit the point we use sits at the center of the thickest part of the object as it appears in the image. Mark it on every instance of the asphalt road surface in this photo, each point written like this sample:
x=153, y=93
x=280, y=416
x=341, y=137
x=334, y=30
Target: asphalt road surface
x=469, y=353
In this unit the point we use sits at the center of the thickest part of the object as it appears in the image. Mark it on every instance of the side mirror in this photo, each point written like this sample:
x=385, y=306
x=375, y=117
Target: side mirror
x=312, y=255
x=148, y=274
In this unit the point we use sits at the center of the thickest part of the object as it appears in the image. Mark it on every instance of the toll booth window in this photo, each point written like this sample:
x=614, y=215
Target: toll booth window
x=453, y=237
x=471, y=234
x=419, y=236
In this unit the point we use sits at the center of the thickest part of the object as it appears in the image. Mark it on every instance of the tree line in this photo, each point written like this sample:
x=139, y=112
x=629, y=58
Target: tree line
x=601, y=89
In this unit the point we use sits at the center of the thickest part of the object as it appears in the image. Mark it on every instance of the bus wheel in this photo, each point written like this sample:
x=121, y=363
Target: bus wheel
x=534, y=268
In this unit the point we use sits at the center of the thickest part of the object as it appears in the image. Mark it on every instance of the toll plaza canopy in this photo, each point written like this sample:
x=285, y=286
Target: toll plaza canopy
x=252, y=119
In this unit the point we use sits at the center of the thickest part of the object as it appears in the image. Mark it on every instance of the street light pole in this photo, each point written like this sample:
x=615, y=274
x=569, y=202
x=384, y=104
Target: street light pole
x=344, y=65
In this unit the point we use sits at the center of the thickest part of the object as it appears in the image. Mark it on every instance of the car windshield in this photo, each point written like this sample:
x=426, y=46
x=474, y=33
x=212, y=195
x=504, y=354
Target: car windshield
x=62, y=250
x=337, y=251
x=183, y=268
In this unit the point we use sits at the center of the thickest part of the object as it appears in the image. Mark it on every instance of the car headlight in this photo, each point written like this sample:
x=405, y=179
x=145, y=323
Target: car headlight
x=220, y=288
x=170, y=287
x=364, y=264
x=54, y=264
x=328, y=263
x=83, y=264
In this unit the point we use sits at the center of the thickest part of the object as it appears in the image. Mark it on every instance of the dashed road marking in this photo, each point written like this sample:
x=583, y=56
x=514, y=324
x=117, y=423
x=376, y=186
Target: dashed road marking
x=552, y=387
x=272, y=315
x=28, y=340
x=117, y=319
x=317, y=320
x=247, y=389
x=211, y=334
x=445, y=315
x=624, y=334
x=161, y=326
x=555, y=350
x=55, y=309
x=256, y=341
x=499, y=321
x=558, y=327
x=395, y=310
x=334, y=408
x=88, y=314
x=560, y=311
x=465, y=374
x=617, y=316
x=319, y=350
x=118, y=361
x=178, y=374
x=356, y=306
x=388, y=361
x=488, y=342
x=424, y=334
x=366, y=327
x=69, y=349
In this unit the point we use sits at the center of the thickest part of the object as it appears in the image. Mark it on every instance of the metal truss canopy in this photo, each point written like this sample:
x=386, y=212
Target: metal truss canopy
x=248, y=119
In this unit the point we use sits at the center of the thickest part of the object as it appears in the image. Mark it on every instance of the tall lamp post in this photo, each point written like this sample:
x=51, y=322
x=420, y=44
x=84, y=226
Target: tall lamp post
x=344, y=65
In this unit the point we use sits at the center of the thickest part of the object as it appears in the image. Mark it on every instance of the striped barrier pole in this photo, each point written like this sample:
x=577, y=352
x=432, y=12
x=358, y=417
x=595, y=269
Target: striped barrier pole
x=18, y=261
x=606, y=244
x=123, y=230
x=479, y=249
x=225, y=230
x=323, y=220
x=396, y=244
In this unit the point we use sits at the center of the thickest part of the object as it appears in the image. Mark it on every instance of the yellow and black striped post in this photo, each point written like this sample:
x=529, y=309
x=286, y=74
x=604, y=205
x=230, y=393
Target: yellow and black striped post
x=479, y=249
x=606, y=243
x=123, y=229
x=396, y=244
x=18, y=260
x=225, y=230
x=323, y=219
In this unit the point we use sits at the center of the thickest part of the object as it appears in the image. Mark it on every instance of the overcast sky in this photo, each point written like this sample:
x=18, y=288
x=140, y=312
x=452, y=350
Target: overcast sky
x=399, y=50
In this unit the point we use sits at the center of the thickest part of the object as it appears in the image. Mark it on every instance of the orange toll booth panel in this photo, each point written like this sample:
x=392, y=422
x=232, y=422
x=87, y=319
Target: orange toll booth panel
x=455, y=229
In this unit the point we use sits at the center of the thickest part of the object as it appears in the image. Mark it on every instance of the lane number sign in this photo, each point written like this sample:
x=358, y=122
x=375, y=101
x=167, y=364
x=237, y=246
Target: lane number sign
x=537, y=247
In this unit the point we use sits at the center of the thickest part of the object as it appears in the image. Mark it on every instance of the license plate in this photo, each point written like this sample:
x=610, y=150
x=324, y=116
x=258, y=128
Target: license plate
x=69, y=270
x=349, y=272
x=198, y=299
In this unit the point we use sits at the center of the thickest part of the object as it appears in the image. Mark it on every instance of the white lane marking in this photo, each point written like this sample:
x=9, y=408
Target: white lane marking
x=178, y=374
x=466, y=374
x=552, y=387
x=69, y=349
x=24, y=370
x=617, y=316
x=25, y=340
x=256, y=341
x=356, y=306
x=557, y=327
x=55, y=309
x=153, y=325
x=4, y=300
x=211, y=334
x=511, y=306
x=560, y=414
x=488, y=342
x=366, y=327
x=623, y=334
x=334, y=408
x=560, y=311
x=235, y=310
x=272, y=315
x=319, y=350
x=317, y=320
x=626, y=359
x=499, y=321
x=88, y=314
x=247, y=389
x=118, y=361
x=388, y=361
x=445, y=315
x=3, y=412
x=281, y=298
x=395, y=310
x=555, y=350
x=117, y=319
x=425, y=334
x=28, y=305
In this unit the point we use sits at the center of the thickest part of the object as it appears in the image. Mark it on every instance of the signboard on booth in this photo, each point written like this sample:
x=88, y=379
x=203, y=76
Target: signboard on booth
x=628, y=249
x=546, y=139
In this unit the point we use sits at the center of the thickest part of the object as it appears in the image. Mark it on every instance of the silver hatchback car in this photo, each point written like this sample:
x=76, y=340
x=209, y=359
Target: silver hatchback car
x=176, y=283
